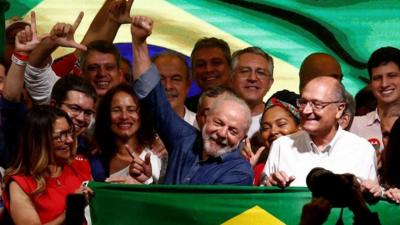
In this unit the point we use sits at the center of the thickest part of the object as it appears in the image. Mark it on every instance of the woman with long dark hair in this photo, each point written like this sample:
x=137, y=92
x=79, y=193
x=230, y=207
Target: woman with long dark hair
x=124, y=134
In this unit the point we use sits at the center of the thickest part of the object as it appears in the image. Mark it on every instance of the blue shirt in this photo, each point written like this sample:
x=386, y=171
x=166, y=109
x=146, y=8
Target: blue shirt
x=184, y=142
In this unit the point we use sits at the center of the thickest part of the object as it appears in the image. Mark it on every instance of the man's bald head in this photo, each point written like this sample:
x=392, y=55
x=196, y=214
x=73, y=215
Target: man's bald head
x=319, y=64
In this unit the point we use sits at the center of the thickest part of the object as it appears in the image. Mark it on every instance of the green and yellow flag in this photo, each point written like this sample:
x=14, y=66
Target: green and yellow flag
x=210, y=205
x=289, y=30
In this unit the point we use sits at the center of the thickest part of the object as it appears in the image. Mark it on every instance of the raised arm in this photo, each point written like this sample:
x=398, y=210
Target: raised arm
x=141, y=28
x=62, y=34
x=25, y=41
x=107, y=21
x=39, y=76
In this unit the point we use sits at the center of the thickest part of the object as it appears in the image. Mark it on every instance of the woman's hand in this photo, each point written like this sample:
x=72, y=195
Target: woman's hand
x=85, y=191
x=393, y=194
x=248, y=154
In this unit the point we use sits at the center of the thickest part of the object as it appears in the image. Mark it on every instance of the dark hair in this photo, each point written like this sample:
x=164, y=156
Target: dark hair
x=365, y=99
x=382, y=56
x=286, y=96
x=179, y=56
x=127, y=76
x=102, y=46
x=71, y=83
x=390, y=176
x=212, y=42
x=35, y=150
x=105, y=138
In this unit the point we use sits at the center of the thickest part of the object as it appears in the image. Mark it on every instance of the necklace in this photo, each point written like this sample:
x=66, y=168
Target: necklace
x=58, y=182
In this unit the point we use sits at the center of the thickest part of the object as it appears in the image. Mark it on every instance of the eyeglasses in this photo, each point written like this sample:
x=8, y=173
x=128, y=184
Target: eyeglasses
x=63, y=135
x=314, y=104
x=77, y=110
x=245, y=72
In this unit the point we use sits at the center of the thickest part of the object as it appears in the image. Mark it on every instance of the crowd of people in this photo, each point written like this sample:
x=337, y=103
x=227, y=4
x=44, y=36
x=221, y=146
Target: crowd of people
x=93, y=115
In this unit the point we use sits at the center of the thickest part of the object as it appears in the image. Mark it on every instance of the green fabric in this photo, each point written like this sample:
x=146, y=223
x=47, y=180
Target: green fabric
x=20, y=7
x=359, y=27
x=4, y=6
x=168, y=204
x=284, y=28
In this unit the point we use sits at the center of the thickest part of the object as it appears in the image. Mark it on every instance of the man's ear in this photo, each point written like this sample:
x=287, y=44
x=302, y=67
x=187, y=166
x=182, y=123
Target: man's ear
x=341, y=108
x=121, y=76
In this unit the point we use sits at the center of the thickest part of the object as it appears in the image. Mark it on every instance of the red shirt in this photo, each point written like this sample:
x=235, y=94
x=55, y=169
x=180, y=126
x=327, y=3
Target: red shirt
x=50, y=203
x=258, y=169
x=65, y=65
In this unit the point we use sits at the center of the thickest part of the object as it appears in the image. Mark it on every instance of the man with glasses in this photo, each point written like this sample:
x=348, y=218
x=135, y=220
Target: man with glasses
x=321, y=142
x=77, y=97
x=252, y=77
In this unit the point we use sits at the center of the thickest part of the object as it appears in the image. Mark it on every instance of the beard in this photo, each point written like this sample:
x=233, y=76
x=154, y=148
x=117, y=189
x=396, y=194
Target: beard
x=212, y=149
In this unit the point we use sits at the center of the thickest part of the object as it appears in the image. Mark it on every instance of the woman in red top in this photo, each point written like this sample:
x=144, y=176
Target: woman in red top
x=46, y=169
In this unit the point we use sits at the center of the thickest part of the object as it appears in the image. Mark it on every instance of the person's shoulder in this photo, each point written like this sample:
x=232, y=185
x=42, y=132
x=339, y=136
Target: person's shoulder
x=27, y=183
x=363, y=120
x=292, y=138
x=80, y=162
x=356, y=141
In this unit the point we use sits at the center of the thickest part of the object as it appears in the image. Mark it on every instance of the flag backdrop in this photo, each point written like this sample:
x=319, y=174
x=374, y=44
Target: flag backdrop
x=289, y=30
x=210, y=205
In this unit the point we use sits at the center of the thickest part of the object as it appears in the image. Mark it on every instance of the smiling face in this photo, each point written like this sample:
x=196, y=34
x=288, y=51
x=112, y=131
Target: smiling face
x=80, y=109
x=210, y=68
x=175, y=79
x=125, y=119
x=385, y=83
x=276, y=122
x=251, y=78
x=321, y=122
x=63, y=140
x=225, y=127
x=101, y=71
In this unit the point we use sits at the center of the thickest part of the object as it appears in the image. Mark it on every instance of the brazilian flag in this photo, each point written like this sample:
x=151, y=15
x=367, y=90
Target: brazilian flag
x=210, y=205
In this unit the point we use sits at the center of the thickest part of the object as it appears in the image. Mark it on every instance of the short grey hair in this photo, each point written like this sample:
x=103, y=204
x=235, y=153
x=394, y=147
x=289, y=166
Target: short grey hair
x=340, y=93
x=350, y=104
x=230, y=96
x=256, y=51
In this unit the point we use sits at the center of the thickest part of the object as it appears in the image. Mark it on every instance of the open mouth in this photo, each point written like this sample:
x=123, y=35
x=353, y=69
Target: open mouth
x=210, y=78
x=102, y=84
x=219, y=141
x=387, y=91
x=65, y=148
x=124, y=125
